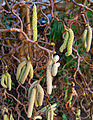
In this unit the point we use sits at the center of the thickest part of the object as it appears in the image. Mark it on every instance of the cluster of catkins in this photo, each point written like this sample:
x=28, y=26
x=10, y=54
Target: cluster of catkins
x=87, y=37
x=35, y=96
x=6, y=80
x=52, y=70
x=24, y=69
x=69, y=37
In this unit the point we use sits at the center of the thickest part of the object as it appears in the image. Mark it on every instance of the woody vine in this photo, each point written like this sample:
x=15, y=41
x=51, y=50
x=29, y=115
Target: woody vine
x=36, y=82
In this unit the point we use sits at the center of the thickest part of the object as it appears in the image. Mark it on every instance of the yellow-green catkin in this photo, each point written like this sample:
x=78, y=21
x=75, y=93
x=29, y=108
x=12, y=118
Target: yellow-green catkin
x=31, y=103
x=78, y=114
x=84, y=38
x=49, y=77
x=40, y=94
x=70, y=42
x=63, y=46
x=9, y=81
x=89, y=38
x=11, y=117
x=5, y=117
x=34, y=23
x=4, y=77
x=52, y=114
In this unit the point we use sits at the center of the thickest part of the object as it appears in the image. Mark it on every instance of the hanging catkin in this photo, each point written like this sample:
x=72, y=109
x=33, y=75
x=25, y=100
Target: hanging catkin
x=63, y=46
x=84, y=38
x=34, y=23
x=31, y=103
x=70, y=42
x=89, y=38
x=49, y=77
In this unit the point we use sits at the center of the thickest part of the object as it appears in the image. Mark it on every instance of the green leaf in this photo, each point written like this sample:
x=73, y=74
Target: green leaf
x=13, y=84
x=67, y=80
x=64, y=116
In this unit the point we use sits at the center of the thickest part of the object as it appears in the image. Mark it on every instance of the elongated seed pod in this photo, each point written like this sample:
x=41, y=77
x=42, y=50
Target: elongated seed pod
x=22, y=73
x=5, y=117
x=31, y=103
x=55, y=58
x=6, y=81
x=63, y=46
x=36, y=99
x=55, y=69
x=84, y=38
x=70, y=42
x=89, y=38
x=20, y=66
x=9, y=81
x=49, y=77
x=51, y=114
x=26, y=73
x=34, y=23
x=48, y=115
x=31, y=87
x=11, y=117
x=40, y=94
x=4, y=110
x=31, y=71
x=2, y=80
